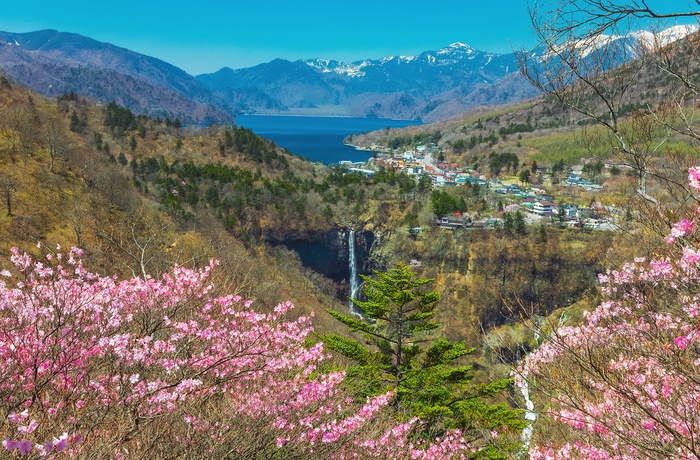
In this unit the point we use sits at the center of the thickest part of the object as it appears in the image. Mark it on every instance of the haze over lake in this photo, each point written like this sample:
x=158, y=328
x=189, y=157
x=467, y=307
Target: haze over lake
x=319, y=139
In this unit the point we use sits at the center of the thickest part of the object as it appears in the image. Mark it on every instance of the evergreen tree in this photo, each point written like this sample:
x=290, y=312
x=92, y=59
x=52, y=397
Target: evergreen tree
x=76, y=124
x=98, y=140
x=508, y=222
x=122, y=159
x=425, y=183
x=524, y=176
x=402, y=352
x=4, y=82
x=519, y=223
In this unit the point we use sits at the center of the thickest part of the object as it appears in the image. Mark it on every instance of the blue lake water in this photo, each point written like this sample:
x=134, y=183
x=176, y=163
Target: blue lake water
x=319, y=139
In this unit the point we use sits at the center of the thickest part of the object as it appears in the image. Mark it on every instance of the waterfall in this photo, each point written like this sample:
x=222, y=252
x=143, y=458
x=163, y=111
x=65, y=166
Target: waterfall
x=353, y=272
x=353, y=263
x=530, y=416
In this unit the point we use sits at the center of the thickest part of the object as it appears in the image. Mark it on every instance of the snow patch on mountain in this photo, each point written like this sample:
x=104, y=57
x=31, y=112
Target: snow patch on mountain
x=353, y=69
x=640, y=41
x=651, y=39
x=450, y=55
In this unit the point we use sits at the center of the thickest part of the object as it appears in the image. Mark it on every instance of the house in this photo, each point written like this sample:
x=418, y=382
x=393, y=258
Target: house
x=366, y=172
x=528, y=202
x=513, y=188
x=543, y=208
x=454, y=221
x=438, y=180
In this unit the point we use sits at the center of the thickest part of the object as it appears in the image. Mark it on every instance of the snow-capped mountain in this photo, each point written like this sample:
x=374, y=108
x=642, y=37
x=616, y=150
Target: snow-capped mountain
x=431, y=85
x=634, y=44
x=449, y=55
x=352, y=69
x=393, y=86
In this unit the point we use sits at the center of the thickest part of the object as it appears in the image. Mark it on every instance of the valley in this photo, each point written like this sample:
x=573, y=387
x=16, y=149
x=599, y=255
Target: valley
x=419, y=256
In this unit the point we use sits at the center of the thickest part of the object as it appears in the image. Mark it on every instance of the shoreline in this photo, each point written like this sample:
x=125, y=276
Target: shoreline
x=327, y=116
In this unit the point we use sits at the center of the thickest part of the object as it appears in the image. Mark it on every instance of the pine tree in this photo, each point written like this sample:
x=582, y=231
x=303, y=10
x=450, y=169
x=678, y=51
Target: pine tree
x=401, y=351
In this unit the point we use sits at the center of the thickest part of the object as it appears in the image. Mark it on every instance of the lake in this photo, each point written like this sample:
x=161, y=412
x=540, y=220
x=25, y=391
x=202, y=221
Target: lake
x=319, y=139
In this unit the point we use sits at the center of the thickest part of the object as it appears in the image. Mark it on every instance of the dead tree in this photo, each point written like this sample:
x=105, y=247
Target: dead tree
x=638, y=86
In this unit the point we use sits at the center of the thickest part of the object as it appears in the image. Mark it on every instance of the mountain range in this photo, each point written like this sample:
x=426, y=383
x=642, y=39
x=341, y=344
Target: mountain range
x=431, y=86
x=53, y=63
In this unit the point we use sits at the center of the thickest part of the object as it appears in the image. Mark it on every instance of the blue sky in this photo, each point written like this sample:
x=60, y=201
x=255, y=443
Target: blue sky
x=205, y=35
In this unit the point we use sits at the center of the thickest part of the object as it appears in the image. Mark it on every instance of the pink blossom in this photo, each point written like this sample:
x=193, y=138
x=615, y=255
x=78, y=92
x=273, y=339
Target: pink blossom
x=25, y=447
x=151, y=348
x=640, y=398
x=60, y=445
x=694, y=177
x=681, y=342
x=10, y=445
x=28, y=428
x=679, y=229
x=690, y=256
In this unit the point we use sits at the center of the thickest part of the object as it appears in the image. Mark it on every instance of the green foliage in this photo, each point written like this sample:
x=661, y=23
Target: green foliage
x=98, y=140
x=514, y=222
x=460, y=145
x=416, y=139
x=593, y=170
x=425, y=183
x=122, y=159
x=566, y=146
x=443, y=203
x=401, y=352
x=77, y=125
x=119, y=119
x=173, y=123
x=559, y=167
x=524, y=176
x=498, y=161
x=516, y=128
x=255, y=149
x=4, y=82
x=70, y=96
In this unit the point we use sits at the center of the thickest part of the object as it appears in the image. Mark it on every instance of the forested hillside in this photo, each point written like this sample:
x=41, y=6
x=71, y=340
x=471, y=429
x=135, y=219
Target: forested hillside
x=150, y=204
x=198, y=292
x=79, y=174
x=140, y=194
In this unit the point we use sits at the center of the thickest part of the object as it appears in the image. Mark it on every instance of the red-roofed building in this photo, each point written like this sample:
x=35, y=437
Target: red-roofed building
x=543, y=208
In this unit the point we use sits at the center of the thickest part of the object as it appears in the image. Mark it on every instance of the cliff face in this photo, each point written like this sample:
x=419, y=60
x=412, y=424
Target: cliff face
x=328, y=253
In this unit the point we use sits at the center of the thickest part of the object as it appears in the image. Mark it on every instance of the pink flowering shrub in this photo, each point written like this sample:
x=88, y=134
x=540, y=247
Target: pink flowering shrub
x=94, y=367
x=624, y=384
